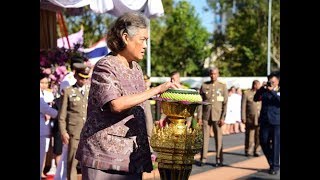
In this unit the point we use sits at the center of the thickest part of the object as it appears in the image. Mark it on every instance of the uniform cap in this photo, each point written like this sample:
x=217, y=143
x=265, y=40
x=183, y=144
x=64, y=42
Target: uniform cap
x=77, y=59
x=79, y=66
x=84, y=73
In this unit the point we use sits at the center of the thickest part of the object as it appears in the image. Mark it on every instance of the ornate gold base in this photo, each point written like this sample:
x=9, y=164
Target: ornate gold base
x=171, y=174
x=176, y=144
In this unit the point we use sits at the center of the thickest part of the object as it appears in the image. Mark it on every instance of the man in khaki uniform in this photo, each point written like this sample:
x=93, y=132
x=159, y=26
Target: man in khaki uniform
x=72, y=116
x=250, y=111
x=215, y=93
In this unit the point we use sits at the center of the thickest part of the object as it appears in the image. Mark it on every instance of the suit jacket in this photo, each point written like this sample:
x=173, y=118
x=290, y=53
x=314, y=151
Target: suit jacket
x=270, y=110
x=73, y=111
x=250, y=109
x=215, y=93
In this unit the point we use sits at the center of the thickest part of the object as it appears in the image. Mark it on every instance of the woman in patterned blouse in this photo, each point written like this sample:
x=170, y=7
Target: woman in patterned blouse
x=114, y=142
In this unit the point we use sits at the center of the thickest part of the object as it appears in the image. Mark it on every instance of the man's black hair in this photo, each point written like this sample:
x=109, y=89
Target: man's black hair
x=274, y=74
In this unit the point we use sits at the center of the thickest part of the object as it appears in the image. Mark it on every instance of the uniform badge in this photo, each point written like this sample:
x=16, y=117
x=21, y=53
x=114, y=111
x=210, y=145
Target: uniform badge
x=220, y=98
x=73, y=95
x=219, y=92
x=77, y=98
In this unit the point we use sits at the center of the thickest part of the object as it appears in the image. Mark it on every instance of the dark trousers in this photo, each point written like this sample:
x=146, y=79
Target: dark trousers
x=270, y=144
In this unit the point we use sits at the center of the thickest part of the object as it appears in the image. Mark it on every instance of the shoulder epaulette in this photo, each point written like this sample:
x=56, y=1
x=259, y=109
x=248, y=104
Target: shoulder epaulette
x=222, y=82
x=69, y=87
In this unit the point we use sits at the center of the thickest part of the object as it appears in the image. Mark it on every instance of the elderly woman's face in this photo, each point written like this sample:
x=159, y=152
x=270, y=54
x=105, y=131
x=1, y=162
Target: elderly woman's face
x=137, y=44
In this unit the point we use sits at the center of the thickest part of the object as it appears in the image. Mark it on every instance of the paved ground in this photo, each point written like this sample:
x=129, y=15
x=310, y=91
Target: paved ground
x=237, y=166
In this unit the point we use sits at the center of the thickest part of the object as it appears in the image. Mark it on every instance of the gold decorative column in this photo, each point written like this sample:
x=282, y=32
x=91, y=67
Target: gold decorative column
x=176, y=144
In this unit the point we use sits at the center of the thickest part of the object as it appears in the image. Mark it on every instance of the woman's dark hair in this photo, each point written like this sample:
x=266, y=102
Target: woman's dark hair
x=232, y=87
x=43, y=75
x=127, y=23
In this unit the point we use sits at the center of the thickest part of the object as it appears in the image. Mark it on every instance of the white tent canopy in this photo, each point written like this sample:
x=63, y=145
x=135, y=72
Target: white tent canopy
x=151, y=8
x=70, y=3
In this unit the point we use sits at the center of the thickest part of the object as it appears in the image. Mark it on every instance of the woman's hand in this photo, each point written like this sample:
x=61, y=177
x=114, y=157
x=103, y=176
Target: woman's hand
x=161, y=122
x=165, y=86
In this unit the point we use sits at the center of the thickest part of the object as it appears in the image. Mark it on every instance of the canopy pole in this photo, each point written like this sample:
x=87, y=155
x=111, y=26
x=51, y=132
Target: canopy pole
x=149, y=53
x=269, y=39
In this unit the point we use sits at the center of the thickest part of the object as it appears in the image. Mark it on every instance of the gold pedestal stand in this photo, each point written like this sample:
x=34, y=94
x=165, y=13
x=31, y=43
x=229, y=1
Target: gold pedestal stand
x=176, y=144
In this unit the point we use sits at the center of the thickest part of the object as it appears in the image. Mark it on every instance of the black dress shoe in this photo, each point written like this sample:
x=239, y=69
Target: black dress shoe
x=273, y=172
x=218, y=163
x=257, y=154
x=203, y=162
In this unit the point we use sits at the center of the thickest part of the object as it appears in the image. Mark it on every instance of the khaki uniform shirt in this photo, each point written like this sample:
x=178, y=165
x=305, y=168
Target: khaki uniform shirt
x=215, y=93
x=73, y=112
x=250, y=110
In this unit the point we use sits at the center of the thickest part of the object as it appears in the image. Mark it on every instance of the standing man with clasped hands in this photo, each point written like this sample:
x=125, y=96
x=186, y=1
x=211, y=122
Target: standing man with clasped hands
x=250, y=112
x=216, y=93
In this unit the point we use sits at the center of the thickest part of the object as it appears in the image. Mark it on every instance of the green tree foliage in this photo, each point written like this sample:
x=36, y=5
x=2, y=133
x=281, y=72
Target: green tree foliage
x=177, y=38
x=157, y=29
x=247, y=33
x=95, y=25
x=178, y=42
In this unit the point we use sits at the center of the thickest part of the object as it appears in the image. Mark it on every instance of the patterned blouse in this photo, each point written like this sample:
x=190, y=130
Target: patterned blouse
x=105, y=134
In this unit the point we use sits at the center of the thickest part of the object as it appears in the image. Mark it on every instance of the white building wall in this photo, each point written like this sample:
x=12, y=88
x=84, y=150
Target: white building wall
x=195, y=82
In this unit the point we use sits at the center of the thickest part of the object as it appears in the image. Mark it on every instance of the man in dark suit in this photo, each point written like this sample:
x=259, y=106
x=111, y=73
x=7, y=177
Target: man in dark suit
x=72, y=116
x=216, y=93
x=269, y=95
x=250, y=111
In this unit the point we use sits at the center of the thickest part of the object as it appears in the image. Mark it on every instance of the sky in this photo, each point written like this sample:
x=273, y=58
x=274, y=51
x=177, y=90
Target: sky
x=207, y=18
